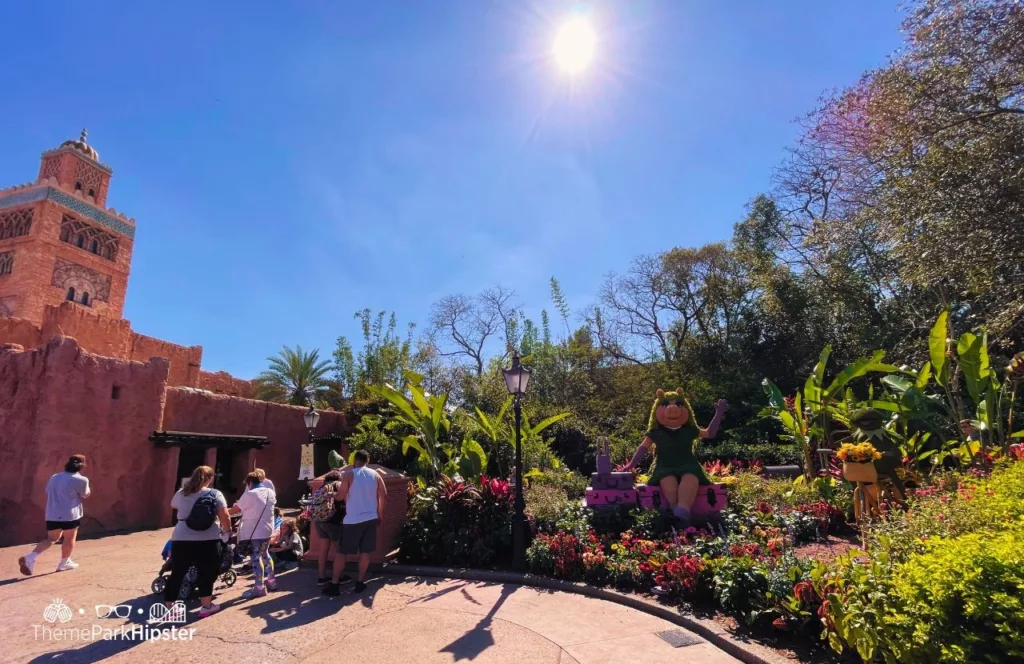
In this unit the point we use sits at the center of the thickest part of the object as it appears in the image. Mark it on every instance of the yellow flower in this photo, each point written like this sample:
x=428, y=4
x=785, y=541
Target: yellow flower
x=858, y=452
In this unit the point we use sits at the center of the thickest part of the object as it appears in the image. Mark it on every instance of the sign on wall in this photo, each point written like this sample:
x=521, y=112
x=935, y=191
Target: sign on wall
x=306, y=463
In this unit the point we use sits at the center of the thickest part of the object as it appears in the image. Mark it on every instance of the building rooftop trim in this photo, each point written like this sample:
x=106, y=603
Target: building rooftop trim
x=122, y=226
x=78, y=153
x=178, y=438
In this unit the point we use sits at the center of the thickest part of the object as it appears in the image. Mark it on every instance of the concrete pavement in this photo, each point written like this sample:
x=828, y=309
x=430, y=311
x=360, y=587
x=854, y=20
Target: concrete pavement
x=396, y=620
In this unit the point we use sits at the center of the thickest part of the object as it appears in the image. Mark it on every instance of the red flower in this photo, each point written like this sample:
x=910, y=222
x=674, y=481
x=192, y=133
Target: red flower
x=804, y=591
x=780, y=624
x=764, y=508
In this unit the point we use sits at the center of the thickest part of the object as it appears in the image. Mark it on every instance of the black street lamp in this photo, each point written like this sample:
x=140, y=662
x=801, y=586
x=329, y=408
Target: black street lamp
x=311, y=418
x=517, y=377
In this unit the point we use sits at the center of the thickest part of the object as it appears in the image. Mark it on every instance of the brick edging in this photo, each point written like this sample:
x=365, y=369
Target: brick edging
x=706, y=629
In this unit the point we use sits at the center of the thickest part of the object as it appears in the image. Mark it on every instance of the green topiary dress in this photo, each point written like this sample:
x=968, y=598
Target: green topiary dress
x=674, y=453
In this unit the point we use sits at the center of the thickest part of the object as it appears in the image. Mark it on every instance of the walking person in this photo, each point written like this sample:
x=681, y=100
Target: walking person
x=203, y=523
x=65, y=492
x=362, y=488
x=256, y=506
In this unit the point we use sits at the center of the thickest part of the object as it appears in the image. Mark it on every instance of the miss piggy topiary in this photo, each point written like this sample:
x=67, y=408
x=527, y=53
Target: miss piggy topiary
x=674, y=433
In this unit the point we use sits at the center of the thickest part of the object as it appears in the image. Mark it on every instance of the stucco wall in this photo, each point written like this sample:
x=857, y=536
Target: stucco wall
x=19, y=331
x=224, y=383
x=60, y=400
x=195, y=410
x=185, y=360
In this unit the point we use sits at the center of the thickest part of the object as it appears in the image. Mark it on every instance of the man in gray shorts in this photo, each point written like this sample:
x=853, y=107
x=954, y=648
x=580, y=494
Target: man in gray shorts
x=362, y=489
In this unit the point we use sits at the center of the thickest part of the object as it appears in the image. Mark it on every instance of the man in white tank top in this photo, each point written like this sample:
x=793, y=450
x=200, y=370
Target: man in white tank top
x=362, y=489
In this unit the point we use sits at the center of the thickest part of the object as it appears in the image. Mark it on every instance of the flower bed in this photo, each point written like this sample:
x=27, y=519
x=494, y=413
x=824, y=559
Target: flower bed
x=943, y=581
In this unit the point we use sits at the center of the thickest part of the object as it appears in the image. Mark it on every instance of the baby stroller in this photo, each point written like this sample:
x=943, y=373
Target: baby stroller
x=226, y=574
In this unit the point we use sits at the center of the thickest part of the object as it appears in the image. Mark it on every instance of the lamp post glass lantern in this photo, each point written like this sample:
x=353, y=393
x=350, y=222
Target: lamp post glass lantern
x=517, y=377
x=311, y=418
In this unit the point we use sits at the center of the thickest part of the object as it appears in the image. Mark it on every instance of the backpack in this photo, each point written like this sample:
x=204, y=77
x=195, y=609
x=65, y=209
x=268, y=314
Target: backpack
x=204, y=512
x=322, y=507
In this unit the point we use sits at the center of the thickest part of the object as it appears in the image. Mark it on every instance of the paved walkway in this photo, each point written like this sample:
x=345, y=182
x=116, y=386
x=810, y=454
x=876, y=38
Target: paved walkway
x=395, y=620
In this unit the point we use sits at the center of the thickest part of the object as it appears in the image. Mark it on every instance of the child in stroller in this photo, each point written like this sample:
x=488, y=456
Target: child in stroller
x=227, y=575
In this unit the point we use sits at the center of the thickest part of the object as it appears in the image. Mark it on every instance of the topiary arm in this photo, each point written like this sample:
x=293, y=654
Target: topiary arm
x=720, y=407
x=641, y=452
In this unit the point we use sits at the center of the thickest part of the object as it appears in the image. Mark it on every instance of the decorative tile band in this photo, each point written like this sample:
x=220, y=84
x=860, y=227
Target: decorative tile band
x=69, y=202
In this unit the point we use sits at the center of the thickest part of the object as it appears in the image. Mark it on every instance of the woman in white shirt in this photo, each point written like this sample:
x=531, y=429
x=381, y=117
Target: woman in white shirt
x=256, y=506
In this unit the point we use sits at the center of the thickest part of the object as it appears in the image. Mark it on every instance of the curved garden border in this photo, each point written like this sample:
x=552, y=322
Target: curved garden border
x=745, y=651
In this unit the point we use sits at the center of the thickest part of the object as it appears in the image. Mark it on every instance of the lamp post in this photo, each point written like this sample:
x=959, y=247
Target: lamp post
x=517, y=377
x=311, y=418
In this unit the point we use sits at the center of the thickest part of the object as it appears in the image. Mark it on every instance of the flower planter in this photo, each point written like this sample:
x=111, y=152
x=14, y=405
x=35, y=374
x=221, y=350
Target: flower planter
x=860, y=472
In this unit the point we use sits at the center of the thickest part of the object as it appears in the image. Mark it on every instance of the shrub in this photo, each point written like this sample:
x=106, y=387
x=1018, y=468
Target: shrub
x=768, y=454
x=539, y=558
x=455, y=523
x=571, y=483
x=546, y=504
x=740, y=585
x=380, y=439
x=950, y=508
x=943, y=582
x=963, y=599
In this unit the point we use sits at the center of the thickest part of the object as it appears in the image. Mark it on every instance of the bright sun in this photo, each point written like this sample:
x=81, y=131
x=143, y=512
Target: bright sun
x=574, y=45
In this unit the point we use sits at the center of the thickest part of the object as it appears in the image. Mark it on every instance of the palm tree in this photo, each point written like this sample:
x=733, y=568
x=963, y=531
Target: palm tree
x=294, y=377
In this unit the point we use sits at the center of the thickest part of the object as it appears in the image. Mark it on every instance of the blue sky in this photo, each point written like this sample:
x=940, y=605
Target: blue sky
x=290, y=163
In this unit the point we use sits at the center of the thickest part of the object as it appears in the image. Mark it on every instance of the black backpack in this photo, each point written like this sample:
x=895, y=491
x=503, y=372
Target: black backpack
x=204, y=512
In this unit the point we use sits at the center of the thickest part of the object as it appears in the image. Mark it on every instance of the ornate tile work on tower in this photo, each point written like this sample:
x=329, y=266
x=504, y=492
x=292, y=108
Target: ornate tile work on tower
x=83, y=279
x=71, y=203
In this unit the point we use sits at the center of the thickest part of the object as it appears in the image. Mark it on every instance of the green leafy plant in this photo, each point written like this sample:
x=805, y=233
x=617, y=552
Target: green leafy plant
x=499, y=431
x=808, y=418
x=427, y=415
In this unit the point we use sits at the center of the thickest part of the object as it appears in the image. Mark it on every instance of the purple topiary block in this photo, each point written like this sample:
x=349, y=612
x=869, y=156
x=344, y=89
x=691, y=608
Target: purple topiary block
x=616, y=480
x=610, y=497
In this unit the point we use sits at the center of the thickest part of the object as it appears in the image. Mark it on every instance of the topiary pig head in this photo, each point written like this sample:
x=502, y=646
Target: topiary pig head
x=671, y=410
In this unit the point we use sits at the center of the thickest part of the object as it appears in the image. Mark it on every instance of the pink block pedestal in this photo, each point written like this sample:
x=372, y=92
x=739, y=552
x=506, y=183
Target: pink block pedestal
x=395, y=508
x=708, y=505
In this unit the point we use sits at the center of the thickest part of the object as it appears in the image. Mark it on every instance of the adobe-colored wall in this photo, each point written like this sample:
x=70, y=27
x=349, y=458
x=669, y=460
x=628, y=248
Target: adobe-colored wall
x=222, y=382
x=19, y=331
x=185, y=360
x=110, y=337
x=58, y=400
x=195, y=410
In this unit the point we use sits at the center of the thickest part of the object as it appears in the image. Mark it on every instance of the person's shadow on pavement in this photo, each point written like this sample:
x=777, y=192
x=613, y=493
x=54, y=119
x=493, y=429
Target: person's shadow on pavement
x=471, y=644
x=294, y=603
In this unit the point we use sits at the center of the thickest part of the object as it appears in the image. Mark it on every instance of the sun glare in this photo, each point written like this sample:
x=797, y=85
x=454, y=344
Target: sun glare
x=574, y=45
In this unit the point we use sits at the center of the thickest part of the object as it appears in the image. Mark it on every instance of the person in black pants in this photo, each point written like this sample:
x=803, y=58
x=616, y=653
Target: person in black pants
x=200, y=548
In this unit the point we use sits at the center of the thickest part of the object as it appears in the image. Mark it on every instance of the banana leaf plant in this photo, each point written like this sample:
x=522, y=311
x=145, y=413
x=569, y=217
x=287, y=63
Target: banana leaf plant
x=809, y=416
x=500, y=432
x=427, y=415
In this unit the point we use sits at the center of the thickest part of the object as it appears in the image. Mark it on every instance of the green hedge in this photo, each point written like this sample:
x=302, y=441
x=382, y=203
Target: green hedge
x=942, y=583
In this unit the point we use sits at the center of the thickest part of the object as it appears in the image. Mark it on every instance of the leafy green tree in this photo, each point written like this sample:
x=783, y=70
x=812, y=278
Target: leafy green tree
x=384, y=357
